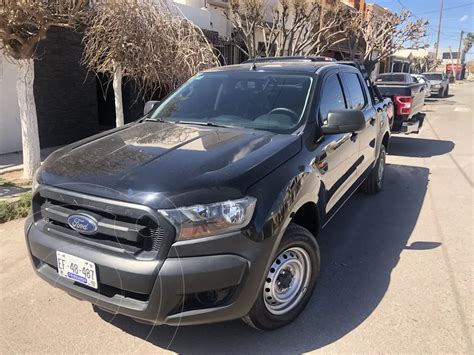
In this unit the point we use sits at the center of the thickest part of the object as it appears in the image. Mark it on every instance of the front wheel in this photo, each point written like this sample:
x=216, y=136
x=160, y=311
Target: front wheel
x=374, y=182
x=446, y=92
x=289, y=283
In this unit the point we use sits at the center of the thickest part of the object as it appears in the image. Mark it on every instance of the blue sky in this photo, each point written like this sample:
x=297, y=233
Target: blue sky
x=457, y=15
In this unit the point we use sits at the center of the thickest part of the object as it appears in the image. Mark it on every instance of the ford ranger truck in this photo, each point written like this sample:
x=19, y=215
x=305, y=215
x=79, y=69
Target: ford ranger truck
x=209, y=207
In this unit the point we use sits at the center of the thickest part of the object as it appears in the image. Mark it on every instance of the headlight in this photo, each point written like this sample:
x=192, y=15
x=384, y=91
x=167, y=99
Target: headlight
x=34, y=181
x=205, y=220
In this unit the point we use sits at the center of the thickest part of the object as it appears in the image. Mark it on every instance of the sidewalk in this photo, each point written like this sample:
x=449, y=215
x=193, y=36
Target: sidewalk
x=14, y=161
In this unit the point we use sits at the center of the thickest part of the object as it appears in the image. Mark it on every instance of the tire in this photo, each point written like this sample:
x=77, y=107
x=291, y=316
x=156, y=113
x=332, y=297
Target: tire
x=441, y=93
x=446, y=92
x=297, y=247
x=374, y=182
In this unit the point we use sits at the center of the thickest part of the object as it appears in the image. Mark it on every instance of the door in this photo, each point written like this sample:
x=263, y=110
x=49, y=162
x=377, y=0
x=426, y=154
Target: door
x=337, y=158
x=358, y=98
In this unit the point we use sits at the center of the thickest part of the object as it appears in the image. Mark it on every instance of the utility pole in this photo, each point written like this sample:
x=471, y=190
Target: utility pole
x=453, y=69
x=459, y=50
x=439, y=29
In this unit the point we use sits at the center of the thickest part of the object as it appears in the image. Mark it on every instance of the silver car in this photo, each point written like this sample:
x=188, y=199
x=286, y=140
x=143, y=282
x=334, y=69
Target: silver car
x=419, y=78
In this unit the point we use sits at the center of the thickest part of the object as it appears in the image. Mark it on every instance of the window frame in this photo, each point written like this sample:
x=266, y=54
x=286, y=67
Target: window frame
x=362, y=86
x=329, y=75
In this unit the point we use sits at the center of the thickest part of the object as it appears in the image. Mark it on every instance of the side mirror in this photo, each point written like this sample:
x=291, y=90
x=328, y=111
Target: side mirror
x=150, y=105
x=344, y=121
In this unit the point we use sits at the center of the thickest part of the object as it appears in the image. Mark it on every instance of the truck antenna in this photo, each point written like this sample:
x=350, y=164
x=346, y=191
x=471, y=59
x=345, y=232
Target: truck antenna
x=254, y=66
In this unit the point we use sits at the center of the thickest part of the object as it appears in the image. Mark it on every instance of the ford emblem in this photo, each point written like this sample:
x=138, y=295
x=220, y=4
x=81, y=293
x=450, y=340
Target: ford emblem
x=83, y=223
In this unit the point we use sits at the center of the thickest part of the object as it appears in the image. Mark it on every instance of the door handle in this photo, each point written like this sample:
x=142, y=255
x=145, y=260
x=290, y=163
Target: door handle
x=322, y=163
x=354, y=136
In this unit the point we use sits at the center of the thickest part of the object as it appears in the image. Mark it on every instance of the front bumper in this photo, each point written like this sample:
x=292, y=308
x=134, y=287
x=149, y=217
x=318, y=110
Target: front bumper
x=172, y=291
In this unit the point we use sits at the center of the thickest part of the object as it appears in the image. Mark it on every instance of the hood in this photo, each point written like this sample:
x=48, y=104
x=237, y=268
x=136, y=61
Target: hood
x=435, y=82
x=163, y=165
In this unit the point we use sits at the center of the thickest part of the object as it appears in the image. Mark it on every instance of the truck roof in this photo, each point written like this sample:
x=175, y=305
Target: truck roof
x=275, y=65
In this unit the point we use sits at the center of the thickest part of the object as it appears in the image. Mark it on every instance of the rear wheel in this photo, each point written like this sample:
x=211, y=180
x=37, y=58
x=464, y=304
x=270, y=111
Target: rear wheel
x=289, y=283
x=374, y=182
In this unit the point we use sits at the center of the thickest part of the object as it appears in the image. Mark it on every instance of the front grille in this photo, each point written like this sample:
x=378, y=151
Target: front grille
x=131, y=228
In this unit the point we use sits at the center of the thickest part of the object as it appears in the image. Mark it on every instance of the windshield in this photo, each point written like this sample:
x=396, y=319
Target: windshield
x=434, y=76
x=391, y=77
x=273, y=102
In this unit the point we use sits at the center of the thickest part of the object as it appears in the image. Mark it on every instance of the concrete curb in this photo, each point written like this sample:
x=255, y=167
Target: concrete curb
x=11, y=168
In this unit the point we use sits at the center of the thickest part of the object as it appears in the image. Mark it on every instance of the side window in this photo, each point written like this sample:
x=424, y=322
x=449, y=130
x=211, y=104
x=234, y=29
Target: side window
x=332, y=97
x=357, y=97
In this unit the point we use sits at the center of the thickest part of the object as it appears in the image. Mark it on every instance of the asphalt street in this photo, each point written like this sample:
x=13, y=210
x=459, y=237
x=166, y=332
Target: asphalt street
x=397, y=270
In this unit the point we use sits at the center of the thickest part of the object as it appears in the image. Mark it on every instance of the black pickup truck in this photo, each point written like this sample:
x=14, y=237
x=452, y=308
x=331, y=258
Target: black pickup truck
x=209, y=207
x=408, y=98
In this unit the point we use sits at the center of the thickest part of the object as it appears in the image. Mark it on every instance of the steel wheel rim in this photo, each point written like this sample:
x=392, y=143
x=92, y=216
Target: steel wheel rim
x=287, y=280
x=381, y=167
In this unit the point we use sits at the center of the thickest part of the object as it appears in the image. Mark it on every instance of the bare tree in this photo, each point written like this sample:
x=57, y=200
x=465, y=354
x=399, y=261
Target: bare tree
x=290, y=27
x=247, y=17
x=304, y=27
x=145, y=41
x=23, y=24
x=424, y=64
x=378, y=36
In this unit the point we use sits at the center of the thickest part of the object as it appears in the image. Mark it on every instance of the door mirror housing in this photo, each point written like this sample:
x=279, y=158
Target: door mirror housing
x=150, y=105
x=344, y=121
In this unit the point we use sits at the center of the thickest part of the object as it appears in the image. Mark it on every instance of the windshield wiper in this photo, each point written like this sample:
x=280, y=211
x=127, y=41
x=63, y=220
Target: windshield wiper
x=154, y=119
x=208, y=124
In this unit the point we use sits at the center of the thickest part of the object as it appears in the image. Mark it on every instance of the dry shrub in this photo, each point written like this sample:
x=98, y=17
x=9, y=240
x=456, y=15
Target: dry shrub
x=153, y=45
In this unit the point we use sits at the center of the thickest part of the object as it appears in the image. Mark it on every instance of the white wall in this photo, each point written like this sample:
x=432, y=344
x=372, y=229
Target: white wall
x=200, y=17
x=205, y=15
x=10, y=131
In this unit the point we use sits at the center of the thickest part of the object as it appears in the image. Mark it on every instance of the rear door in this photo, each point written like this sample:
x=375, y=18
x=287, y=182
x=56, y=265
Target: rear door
x=337, y=161
x=359, y=99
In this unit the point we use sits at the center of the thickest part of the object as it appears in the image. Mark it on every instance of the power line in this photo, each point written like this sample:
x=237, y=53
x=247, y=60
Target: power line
x=447, y=8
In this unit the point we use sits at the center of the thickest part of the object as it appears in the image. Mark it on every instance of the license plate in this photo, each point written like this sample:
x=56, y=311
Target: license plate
x=76, y=269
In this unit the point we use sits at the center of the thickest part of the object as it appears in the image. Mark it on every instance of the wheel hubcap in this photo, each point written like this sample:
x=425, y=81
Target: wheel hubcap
x=287, y=280
x=381, y=168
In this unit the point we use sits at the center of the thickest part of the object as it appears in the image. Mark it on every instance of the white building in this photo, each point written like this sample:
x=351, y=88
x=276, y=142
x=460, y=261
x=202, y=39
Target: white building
x=10, y=130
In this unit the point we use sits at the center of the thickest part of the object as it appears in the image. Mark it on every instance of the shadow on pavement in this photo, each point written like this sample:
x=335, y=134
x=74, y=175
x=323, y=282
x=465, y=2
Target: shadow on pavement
x=359, y=249
x=422, y=245
x=419, y=147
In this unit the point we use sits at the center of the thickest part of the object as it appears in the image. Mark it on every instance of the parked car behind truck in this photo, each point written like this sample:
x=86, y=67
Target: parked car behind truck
x=439, y=83
x=209, y=208
x=408, y=97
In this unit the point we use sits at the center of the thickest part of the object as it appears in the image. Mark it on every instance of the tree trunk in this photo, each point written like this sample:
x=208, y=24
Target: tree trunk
x=119, y=120
x=28, y=117
x=370, y=66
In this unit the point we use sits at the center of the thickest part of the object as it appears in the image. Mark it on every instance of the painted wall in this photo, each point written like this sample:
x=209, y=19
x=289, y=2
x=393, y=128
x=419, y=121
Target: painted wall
x=10, y=131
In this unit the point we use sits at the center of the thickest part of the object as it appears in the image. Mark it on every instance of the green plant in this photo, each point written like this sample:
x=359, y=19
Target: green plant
x=13, y=209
